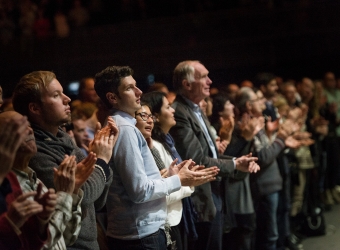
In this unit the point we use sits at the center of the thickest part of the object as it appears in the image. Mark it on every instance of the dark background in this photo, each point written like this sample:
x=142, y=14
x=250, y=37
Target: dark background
x=233, y=39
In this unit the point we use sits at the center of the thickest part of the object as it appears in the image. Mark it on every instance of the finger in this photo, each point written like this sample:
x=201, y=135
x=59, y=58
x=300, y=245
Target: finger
x=98, y=126
x=39, y=189
x=24, y=196
x=173, y=163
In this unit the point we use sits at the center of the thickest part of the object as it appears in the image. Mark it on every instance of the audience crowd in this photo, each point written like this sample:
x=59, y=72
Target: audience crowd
x=246, y=166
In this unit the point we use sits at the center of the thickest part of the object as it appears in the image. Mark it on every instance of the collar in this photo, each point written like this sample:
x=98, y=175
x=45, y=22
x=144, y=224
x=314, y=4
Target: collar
x=125, y=115
x=30, y=174
x=192, y=105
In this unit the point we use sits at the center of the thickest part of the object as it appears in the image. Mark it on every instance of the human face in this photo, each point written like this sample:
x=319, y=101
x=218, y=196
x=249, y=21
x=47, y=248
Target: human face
x=262, y=99
x=129, y=96
x=330, y=81
x=55, y=110
x=200, y=88
x=166, y=116
x=306, y=89
x=228, y=110
x=270, y=90
x=90, y=94
x=290, y=92
x=256, y=105
x=28, y=146
x=145, y=127
x=80, y=134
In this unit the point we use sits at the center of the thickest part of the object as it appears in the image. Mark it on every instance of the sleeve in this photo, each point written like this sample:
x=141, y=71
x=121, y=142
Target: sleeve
x=267, y=153
x=43, y=163
x=66, y=219
x=74, y=224
x=179, y=195
x=131, y=168
x=186, y=134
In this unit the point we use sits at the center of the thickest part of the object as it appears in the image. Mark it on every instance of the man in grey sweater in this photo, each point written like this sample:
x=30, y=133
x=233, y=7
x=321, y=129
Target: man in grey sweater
x=40, y=97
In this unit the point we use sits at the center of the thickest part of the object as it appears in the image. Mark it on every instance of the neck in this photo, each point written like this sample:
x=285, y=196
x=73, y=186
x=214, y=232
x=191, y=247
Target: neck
x=194, y=99
x=47, y=127
x=21, y=162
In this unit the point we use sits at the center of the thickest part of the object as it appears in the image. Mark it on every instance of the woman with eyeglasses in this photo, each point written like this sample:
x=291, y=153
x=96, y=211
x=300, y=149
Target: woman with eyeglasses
x=181, y=215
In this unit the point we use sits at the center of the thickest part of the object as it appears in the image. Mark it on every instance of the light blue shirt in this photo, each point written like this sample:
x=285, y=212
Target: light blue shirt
x=196, y=109
x=136, y=204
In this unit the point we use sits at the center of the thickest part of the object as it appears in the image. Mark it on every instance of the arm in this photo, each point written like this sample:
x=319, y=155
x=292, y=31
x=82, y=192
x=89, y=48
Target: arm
x=191, y=144
x=267, y=153
x=179, y=195
x=137, y=170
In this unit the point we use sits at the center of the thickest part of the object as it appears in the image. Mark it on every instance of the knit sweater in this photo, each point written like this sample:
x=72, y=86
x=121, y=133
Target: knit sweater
x=51, y=152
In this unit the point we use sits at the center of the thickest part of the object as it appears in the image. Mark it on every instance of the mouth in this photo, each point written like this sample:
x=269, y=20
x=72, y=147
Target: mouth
x=30, y=138
x=148, y=129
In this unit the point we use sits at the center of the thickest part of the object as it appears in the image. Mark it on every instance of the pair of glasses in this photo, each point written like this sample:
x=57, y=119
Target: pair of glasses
x=145, y=116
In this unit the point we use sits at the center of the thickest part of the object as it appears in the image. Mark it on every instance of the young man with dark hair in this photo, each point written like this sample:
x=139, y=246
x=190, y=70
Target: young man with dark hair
x=136, y=201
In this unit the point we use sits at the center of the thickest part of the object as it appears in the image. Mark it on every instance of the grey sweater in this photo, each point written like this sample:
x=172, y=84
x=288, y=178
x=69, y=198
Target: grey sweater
x=51, y=152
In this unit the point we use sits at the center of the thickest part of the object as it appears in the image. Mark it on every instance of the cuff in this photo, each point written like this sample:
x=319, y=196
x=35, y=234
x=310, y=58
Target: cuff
x=104, y=168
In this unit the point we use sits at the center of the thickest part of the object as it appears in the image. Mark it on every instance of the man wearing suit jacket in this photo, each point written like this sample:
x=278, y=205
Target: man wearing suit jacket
x=194, y=140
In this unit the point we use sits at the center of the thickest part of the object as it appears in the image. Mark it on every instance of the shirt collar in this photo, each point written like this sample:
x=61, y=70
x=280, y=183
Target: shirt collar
x=125, y=115
x=192, y=105
x=30, y=174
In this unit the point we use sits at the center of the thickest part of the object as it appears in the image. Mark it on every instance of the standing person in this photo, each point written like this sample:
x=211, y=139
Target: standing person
x=136, y=203
x=181, y=214
x=194, y=140
x=39, y=95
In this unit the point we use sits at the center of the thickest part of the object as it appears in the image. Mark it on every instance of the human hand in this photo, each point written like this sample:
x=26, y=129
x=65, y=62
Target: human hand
x=48, y=201
x=164, y=173
x=196, y=178
x=271, y=127
x=21, y=209
x=249, y=127
x=104, y=140
x=227, y=128
x=64, y=176
x=246, y=163
x=292, y=143
x=13, y=132
x=84, y=170
x=221, y=145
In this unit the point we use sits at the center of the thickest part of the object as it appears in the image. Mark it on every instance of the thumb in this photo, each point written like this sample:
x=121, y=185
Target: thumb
x=98, y=126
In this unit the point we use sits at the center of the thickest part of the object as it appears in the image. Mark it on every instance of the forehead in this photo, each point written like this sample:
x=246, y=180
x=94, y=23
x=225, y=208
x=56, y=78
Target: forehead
x=290, y=88
x=54, y=85
x=126, y=81
x=89, y=83
x=9, y=114
x=144, y=109
x=79, y=123
x=272, y=83
x=200, y=69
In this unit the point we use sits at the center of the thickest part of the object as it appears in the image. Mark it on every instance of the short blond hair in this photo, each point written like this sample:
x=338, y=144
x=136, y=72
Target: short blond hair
x=29, y=90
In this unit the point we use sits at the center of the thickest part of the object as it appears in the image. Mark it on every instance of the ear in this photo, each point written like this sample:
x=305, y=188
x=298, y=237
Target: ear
x=263, y=88
x=186, y=84
x=112, y=98
x=249, y=105
x=34, y=108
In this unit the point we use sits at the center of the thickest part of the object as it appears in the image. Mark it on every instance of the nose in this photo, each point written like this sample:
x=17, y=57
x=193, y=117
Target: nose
x=138, y=91
x=66, y=98
x=209, y=81
x=30, y=130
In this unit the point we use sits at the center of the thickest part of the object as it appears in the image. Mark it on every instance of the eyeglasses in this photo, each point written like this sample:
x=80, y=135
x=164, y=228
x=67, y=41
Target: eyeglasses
x=145, y=116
